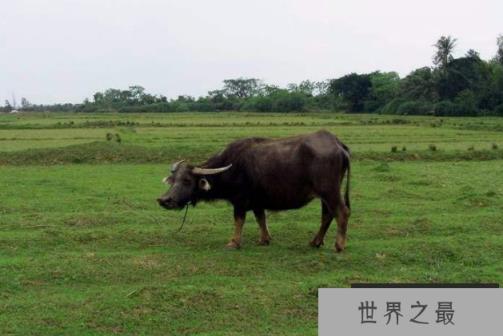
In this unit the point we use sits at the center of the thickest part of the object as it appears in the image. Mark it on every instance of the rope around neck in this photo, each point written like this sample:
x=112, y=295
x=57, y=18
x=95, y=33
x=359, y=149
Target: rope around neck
x=184, y=217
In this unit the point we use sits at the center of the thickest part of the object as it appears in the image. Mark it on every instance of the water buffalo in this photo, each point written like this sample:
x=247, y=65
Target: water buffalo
x=261, y=174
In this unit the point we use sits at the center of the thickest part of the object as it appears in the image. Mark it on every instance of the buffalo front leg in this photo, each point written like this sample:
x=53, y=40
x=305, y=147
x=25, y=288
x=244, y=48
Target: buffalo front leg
x=265, y=237
x=239, y=221
x=326, y=219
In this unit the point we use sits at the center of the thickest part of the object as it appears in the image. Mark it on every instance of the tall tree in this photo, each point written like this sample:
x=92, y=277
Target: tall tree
x=472, y=54
x=307, y=87
x=384, y=88
x=419, y=85
x=321, y=87
x=242, y=87
x=8, y=106
x=25, y=104
x=499, y=54
x=137, y=93
x=445, y=46
x=464, y=73
x=354, y=89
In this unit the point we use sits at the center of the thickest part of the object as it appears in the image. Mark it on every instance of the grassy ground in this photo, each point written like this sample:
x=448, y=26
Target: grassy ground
x=85, y=250
x=208, y=131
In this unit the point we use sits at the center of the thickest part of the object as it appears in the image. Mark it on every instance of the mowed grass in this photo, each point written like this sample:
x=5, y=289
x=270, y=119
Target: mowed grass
x=85, y=249
x=203, y=133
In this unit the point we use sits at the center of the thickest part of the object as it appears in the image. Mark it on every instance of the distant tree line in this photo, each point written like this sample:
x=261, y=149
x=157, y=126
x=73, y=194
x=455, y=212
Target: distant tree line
x=464, y=86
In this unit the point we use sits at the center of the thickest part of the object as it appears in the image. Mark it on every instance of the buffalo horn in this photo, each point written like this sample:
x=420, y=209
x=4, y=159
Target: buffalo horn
x=175, y=165
x=209, y=171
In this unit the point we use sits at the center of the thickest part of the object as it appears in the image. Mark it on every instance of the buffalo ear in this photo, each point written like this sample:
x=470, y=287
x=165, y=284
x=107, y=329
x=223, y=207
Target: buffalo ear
x=168, y=180
x=204, y=184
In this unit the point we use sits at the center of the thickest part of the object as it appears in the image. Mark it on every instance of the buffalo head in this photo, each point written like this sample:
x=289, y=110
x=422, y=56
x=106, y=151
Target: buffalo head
x=187, y=182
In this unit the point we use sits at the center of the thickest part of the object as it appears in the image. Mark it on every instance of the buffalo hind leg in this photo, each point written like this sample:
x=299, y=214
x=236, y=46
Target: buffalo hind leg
x=342, y=225
x=326, y=219
x=239, y=221
x=265, y=237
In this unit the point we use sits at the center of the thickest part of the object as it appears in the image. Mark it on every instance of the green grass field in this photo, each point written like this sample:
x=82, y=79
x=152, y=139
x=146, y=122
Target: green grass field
x=85, y=249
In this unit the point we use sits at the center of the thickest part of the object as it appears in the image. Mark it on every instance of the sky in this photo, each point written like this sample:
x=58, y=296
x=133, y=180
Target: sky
x=55, y=51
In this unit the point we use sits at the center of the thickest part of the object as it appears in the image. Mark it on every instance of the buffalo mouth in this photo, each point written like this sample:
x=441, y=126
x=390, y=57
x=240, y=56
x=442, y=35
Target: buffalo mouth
x=171, y=205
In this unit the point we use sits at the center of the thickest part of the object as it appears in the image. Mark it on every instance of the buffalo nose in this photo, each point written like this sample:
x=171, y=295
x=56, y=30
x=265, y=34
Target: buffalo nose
x=162, y=201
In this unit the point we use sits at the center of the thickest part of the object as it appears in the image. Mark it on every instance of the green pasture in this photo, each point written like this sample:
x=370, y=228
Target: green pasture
x=206, y=132
x=85, y=250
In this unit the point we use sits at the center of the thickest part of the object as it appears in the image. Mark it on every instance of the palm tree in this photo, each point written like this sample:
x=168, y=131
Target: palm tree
x=472, y=54
x=445, y=45
x=499, y=55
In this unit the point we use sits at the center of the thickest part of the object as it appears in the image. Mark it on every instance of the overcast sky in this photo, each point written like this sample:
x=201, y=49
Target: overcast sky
x=65, y=50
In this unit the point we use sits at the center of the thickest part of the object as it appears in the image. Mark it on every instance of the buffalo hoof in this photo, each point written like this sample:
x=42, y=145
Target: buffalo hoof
x=233, y=245
x=340, y=243
x=316, y=243
x=264, y=242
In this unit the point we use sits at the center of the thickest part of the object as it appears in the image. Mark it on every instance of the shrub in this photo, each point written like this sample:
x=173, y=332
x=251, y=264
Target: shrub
x=460, y=108
x=432, y=147
x=258, y=104
x=404, y=149
x=371, y=106
x=416, y=107
x=279, y=101
x=494, y=146
x=202, y=106
x=293, y=102
x=394, y=149
x=444, y=108
x=466, y=103
x=392, y=106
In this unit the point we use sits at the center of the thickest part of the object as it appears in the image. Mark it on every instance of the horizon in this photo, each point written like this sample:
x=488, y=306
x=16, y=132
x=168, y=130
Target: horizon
x=64, y=51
